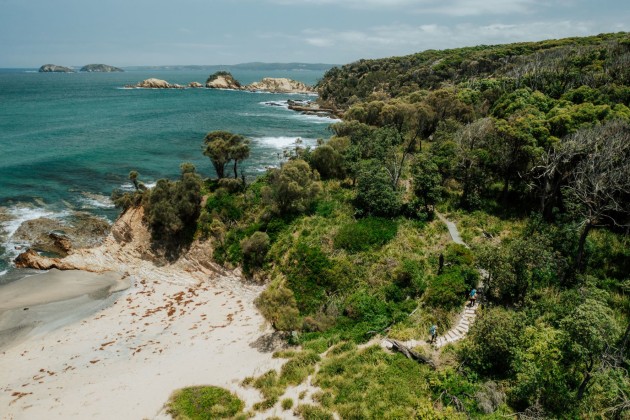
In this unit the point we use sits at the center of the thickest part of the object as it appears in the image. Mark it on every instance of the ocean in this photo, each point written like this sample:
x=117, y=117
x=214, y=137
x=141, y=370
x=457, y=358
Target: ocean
x=68, y=140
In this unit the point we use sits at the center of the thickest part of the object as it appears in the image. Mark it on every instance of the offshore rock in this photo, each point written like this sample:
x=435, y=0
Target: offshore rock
x=53, y=68
x=280, y=85
x=100, y=68
x=222, y=80
x=195, y=85
x=82, y=230
x=155, y=84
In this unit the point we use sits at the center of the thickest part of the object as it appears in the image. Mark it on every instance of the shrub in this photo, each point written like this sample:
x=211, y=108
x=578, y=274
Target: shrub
x=493, y=341
x=292, y=188
x=172, y=208
x=365, y=234
x=254, y=250
x=204, y=402
x=287, y=404
x=307, y=271
x=224, y=205
x=448, y=290
x=277, y=304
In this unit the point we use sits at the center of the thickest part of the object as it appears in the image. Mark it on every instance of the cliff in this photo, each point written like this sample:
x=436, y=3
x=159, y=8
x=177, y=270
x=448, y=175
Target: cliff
x=100, y=68
x=53, y=68
x=127, y=247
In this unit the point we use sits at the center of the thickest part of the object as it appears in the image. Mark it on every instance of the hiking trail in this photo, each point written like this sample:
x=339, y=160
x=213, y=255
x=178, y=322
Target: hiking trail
x=467, y=315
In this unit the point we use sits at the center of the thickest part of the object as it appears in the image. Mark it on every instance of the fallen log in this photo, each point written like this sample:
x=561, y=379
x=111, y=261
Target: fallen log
x=410, y=354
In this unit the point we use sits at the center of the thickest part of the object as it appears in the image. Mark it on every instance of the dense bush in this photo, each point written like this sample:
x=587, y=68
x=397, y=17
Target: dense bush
x=254, y=250
x=277, y=304
x=448, y=290
x=365, y=234
x=172, y=207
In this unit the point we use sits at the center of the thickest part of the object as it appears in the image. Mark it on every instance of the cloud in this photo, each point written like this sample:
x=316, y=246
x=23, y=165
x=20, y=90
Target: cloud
x=398, y=39
x=437, y=7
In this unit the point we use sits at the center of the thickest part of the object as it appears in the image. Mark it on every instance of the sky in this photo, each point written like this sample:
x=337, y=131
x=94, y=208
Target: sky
x=210, y=32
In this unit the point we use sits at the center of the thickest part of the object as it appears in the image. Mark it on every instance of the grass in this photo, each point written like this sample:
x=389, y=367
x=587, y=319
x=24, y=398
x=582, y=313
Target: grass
x=272, y=385
x=370, y=383
x=204, y=402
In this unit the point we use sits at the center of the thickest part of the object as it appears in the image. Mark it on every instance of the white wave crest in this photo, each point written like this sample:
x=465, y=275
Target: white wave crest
x=16, y=216
x=98, y=201
x=282, y=142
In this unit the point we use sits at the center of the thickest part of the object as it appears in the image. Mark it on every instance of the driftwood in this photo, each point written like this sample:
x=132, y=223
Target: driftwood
x=410, y=354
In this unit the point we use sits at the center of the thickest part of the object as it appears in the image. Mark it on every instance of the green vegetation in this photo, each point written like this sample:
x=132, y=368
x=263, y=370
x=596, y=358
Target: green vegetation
x=204, y=402
x=527, y=148
x=272, y=385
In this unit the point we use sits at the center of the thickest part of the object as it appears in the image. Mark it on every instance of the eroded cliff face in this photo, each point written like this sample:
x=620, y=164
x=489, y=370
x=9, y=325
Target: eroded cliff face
x=127, y=249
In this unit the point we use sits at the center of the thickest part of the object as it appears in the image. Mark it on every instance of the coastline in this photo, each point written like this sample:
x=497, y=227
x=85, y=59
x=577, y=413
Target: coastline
x=179, y=324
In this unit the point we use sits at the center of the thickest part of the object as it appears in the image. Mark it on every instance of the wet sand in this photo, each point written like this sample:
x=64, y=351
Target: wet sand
x=43, y=302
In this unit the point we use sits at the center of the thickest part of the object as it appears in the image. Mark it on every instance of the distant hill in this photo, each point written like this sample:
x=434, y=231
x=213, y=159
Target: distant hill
x=100, y=68
x=243, y=66
x=552, y=67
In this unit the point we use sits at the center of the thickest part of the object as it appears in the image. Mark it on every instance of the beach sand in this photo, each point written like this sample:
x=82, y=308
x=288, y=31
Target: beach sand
x=124, y=361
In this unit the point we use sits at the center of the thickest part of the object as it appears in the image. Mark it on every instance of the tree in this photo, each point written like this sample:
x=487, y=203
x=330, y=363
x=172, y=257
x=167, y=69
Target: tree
x=133, y=176
x=599, y=184
x=172, y=208
x=375, y=194
x=591, y=331
x=292, y=188
x=516, y=266
x=223, y=147
x=472, y=154
x=427, y=183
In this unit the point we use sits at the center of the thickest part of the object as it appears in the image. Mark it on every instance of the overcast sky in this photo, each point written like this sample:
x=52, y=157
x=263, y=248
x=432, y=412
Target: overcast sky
x=160, y=32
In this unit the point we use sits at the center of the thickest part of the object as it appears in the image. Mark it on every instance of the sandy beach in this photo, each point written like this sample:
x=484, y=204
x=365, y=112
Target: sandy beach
x=177, y=325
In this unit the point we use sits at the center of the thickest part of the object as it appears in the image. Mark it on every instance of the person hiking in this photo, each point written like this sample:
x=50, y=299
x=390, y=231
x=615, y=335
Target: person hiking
x=433, y=332
x=473, y=297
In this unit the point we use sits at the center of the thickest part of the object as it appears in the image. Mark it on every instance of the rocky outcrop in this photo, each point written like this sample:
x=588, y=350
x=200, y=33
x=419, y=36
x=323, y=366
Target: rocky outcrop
x=313, y=108
x=59, y=237
x=53, y=68
x=100, y=68
x=280, y=85
x=222, y=80
x=155, y=84
x=195, y=85
x=127, y=248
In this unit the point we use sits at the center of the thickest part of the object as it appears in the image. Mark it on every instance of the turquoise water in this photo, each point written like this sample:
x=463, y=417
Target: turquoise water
x=67, y=140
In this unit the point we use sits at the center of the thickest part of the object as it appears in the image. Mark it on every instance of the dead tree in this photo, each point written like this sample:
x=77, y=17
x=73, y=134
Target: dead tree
x=410, y=354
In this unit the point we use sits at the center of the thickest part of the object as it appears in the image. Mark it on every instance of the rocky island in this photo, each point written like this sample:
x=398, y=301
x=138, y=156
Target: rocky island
x=223, y=80
x=153, y=83
x=53, y=68
x=280, y=85
x=100, y=68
